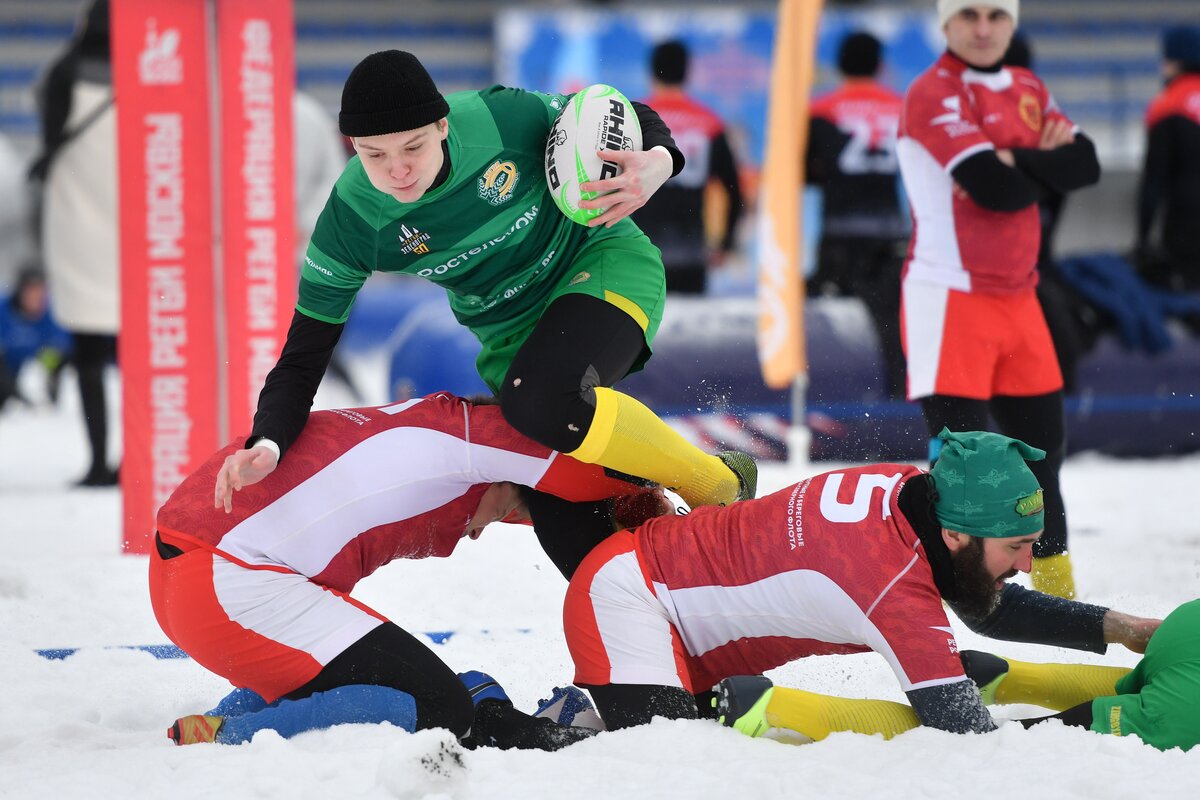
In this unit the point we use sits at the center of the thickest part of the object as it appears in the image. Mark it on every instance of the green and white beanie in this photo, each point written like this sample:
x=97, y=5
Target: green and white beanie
x=984, y=487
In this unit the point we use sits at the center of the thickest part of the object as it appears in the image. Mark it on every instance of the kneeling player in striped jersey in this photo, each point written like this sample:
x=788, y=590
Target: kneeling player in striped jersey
x=257, y=588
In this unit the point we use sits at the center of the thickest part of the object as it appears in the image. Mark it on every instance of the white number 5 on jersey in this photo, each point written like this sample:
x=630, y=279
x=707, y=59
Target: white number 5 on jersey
x=864, y=493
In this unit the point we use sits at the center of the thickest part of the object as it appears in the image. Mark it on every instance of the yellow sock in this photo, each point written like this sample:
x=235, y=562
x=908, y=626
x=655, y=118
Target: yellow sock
x=818, y=715
x=628, y=437
x=1053, y=575
x=1057, y=686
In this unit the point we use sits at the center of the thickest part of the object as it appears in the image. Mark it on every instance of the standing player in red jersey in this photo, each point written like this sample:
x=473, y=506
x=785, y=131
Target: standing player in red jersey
x=850, y=561
x=256, y=587
x=674, y=216
x=852, y=157
x=977, y=139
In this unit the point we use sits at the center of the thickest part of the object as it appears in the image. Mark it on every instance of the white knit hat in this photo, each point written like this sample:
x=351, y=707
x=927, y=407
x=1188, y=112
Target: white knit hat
x=948, y=8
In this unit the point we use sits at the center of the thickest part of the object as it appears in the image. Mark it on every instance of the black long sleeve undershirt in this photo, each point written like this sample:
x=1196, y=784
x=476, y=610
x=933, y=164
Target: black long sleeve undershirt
x=1063, y=169
x=723, y=167
x=287, y=394
x=998, y=187
x=1155, y=176
x=655, y=132
x=993, y=184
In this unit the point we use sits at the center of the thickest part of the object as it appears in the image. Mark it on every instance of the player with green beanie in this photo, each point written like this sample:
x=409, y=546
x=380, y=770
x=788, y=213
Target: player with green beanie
x=986, y=501
x=857, y=559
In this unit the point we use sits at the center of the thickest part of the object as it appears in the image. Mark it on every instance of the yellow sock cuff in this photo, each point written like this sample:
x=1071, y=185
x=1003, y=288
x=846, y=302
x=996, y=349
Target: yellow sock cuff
x=628, y=437
x=599, y=435
x=1057, y=686
x=1053, y=575
x=818, y=715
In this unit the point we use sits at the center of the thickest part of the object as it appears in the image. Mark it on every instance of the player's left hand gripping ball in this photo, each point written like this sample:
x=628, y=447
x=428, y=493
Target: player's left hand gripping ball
x=597, y=117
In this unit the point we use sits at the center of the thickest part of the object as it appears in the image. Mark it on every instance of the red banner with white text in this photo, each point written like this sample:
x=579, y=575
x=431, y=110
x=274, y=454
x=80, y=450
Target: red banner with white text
x=255, y=85
x=168, y=350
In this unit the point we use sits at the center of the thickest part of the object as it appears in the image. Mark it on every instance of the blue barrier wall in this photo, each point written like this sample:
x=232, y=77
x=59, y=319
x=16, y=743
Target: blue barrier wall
x=704, y=377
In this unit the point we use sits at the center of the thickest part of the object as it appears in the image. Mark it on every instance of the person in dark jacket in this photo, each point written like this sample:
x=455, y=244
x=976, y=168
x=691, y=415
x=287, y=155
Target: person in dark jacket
x=1170, y=185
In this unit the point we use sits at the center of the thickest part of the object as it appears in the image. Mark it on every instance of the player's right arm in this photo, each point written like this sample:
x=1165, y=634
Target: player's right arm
x=1023, y=615
x=283, y=405
x=337, y=263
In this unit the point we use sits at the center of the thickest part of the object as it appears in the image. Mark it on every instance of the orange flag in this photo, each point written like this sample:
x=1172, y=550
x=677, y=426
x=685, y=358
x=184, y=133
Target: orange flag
x=781, y=349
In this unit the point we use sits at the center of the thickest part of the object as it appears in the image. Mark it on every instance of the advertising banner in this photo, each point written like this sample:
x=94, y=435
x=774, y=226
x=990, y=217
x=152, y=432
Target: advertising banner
x=255, y=84
x=206, y=227
x=168, y=351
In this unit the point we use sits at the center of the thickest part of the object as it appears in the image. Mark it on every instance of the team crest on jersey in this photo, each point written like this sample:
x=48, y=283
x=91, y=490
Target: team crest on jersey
x=1031, y=111
x=412, y=241
x=580, y=278
x=498, y=182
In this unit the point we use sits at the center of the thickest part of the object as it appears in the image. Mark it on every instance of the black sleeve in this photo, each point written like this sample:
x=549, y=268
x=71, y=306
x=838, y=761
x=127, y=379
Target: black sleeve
x=655, y=132
x=993, y=184
x=53, y=98
x=1023, y=615
x=291, y=385
x=1154, y=179
x=825, y=143
x=954, y=707
x=1063, y=169
x=723, y=167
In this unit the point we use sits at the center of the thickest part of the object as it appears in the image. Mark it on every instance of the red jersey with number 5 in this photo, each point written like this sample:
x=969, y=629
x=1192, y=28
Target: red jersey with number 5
x=952, y=112
x=828, y=565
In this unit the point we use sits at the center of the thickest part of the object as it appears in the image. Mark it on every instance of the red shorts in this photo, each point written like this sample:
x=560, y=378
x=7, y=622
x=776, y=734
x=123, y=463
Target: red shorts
x=617, y=629
x=976, y=345
x=267, y=630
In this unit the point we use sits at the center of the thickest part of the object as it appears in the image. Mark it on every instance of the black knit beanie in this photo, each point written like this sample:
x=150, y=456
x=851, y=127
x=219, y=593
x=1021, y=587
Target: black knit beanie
x=389, y=92
x=858, y=57
x=669, y=62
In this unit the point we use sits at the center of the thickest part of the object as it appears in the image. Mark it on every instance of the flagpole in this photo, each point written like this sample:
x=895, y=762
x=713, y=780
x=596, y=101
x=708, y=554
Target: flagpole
x=781, y=341
x=799, y=436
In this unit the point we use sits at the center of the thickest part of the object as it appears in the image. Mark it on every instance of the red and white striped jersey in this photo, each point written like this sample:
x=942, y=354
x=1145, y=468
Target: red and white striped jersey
x=361, y=487
x=952, y=112
x=828, y=565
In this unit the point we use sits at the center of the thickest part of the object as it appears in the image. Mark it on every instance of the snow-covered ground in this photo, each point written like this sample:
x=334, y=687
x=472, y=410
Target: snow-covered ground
x=94, y=724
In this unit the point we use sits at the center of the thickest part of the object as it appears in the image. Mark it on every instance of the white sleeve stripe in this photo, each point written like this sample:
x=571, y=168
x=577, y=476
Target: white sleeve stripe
x=965, y=154
x=892, y=583
x=937, y=682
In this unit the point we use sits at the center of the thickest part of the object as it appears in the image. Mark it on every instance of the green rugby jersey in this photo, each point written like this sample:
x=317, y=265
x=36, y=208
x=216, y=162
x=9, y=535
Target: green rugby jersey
x=490, y=234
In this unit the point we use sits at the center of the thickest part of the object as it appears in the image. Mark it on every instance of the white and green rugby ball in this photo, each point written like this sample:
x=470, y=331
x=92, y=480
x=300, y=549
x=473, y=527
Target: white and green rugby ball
x=597, y=117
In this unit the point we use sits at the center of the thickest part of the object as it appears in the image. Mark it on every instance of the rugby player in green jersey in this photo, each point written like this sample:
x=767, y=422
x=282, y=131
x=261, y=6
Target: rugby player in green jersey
x=453, y=189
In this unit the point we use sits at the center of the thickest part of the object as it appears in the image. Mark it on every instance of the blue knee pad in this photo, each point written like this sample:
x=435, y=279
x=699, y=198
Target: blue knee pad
x=237, y=703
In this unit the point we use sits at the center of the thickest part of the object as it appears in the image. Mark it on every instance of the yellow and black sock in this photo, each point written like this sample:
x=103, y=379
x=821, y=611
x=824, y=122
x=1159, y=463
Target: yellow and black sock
x=1053, y=575
x=1056, y=686
x=628, y=437
x=818, y=715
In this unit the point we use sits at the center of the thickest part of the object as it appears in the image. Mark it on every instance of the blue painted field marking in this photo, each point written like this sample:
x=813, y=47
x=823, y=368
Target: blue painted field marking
x=169, y=651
